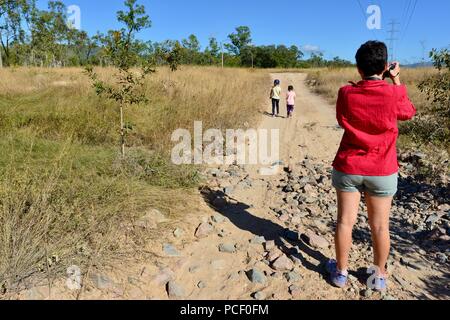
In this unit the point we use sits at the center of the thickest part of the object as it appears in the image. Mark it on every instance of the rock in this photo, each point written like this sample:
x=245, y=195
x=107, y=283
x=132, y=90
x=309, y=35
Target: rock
x=257, y=276
x=292, y=276
x=218, y=264
x=284, y=217
x=296, y=259
x=194, y=269
x=297, y=220
x=229, y=191
x=295, y=291
x=259, y=296
x=175, y=291
x=258, y=240
x=204, y=230
x=170, y=250
x=227, y=248
x=442, y=258
x=178, y=233
x=201, y=285
x=433, y=219
x=368, y=293
x=274, y=254
x=163, y=277
x=311, y=200
x=218, y=218
x=283, y=263
x=316, y=241
x=269, y=245
x=101, y=281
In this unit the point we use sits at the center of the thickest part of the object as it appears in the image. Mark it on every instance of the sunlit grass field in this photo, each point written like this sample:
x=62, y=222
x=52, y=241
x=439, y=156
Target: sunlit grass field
x=66, y=195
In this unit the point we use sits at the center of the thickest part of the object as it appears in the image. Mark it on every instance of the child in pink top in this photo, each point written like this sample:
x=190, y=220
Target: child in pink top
x=290, y=98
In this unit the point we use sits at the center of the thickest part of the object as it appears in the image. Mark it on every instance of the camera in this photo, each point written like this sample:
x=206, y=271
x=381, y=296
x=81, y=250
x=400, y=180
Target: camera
x=387, y=74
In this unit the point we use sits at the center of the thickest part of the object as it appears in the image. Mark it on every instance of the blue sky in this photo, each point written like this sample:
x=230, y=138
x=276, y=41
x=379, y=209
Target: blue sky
x=336, y=27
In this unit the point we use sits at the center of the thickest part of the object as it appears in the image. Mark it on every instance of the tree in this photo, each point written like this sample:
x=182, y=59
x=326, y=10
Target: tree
x=437, y=87
x=119, y=49
x=49, y=35
x=240, y=39
x=12, y=15
x=191, y=47
x=214, y=47
x=212, y=52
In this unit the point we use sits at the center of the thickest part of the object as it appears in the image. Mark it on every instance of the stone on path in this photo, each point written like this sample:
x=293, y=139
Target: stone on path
x=175, y=291
x=227, y=248
x=218, y=218
x=316, y=241
x=269, y=245
x=259, y=296
x=204, y=230
x=258, y=240
x=170, y=250
x=218, y=264
x=257, y=276
x=292, y=276
x=178, y=233
x=283, y=263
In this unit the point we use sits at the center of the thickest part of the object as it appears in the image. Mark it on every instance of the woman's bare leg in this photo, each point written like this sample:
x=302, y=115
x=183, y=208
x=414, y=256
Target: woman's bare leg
x=379, y=211
x=348, y=207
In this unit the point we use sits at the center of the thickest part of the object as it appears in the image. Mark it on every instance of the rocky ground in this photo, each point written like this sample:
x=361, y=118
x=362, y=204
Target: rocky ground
x=268, y=237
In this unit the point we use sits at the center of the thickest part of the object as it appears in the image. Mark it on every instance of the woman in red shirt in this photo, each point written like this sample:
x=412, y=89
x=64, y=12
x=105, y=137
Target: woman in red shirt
x=366, y=162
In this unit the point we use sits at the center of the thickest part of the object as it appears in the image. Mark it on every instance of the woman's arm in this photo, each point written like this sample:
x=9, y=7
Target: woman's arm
x=405, y=108
x=340, y=107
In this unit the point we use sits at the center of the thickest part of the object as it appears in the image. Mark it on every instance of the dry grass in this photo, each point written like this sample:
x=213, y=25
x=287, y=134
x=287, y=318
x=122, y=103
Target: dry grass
x=65, y=199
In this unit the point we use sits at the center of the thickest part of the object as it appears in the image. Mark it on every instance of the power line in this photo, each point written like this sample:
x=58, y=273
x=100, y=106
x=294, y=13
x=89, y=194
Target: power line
x=409, y=20
x=392, y=33
x=406, y=9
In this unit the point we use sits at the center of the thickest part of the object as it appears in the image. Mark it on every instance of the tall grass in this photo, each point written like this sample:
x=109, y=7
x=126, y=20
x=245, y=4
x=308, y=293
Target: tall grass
x=66, y=197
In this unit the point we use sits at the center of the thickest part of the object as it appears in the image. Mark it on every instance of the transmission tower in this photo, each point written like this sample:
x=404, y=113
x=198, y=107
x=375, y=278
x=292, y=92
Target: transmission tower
x=423, y=43
x=392, y=37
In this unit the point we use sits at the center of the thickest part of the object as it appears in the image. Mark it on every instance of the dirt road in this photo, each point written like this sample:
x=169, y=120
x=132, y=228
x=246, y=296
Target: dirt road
x=229, y=262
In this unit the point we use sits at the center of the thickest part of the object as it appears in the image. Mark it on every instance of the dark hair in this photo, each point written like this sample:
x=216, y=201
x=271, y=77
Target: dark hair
x=291, y=88
x=372, y=58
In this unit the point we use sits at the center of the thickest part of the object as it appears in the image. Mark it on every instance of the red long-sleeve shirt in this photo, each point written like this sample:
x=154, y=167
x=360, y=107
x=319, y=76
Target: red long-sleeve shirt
x=369, y=113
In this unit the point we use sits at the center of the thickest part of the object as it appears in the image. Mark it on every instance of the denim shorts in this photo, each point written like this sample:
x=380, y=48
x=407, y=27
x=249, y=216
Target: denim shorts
x=376, y=186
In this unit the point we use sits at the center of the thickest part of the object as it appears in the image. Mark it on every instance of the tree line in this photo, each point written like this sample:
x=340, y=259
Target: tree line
x=33, y=37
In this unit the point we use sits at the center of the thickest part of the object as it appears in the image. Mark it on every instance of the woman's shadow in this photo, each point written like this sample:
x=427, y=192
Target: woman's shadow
x=238, y=214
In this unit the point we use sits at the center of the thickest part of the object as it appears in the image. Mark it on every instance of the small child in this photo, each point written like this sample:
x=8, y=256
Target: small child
x=275, y=95
x=290, y=98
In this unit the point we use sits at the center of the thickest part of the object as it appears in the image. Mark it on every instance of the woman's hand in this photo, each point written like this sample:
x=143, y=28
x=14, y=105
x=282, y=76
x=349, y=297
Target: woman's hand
x=395, y=73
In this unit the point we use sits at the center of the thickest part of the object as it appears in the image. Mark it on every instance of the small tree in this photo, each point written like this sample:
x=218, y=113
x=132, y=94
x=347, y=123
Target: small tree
x=437, y=89
x=120, y=49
